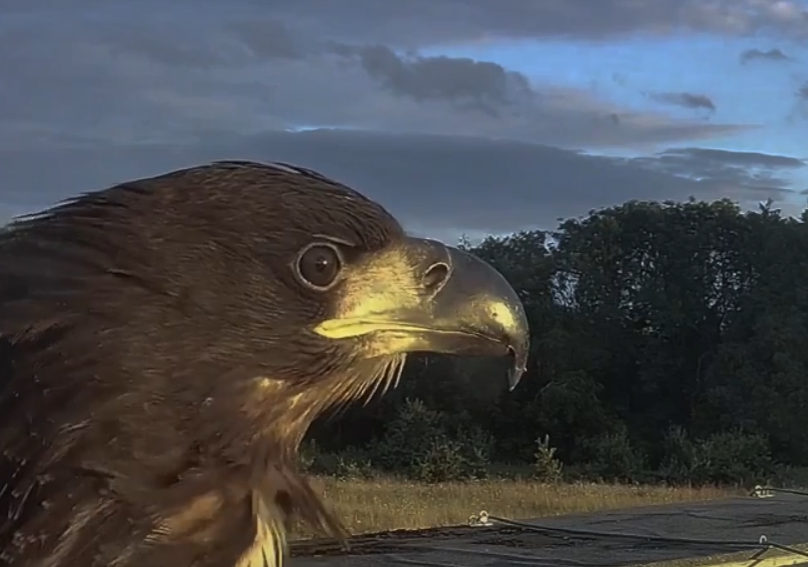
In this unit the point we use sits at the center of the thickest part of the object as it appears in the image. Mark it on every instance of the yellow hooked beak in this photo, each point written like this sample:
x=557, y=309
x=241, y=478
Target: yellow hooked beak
x=423, y=296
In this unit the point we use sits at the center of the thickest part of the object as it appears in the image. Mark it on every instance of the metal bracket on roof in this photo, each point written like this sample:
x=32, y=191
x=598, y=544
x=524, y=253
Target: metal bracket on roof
x=480, y=520
x=761, y=492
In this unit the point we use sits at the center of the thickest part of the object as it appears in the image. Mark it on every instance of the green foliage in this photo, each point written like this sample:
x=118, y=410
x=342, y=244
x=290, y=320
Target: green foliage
x=476, y=446
x=410, y=436
x=421, y=444
x=612, y=457
x=440, y=461
x=737, y=457
x=682, y=462
x=350, y=463
x=546, y=467
x=730, y=457
x=665, y=336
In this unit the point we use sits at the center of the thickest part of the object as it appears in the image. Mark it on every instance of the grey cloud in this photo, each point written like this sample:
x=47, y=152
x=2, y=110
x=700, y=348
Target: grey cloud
x=420, y=22
x=177, y=44
x=742, y=159
x=754, y=174
x=426, y=22
x=268, y=38
x=799, y=108
x=438, y=185
x=685, y=100
x=483, y=84
x=760, y=55
x=219, y=75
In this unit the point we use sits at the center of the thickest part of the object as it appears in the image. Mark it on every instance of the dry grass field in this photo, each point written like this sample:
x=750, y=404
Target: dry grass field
x=388, y=504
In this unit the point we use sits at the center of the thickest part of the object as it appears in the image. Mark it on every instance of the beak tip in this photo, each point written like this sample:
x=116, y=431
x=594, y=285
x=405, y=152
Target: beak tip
x=517, y=369
x=514, y=377
x=518, y=365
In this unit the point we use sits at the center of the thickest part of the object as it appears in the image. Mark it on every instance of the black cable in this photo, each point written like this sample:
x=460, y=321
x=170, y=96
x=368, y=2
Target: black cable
x=737, y=544
x=762, y=489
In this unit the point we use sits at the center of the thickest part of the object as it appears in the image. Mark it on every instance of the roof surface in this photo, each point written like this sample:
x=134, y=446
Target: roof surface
x=782, y=519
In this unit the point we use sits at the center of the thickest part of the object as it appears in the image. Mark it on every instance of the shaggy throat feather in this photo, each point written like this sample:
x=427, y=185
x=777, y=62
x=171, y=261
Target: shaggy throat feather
x=366, y=381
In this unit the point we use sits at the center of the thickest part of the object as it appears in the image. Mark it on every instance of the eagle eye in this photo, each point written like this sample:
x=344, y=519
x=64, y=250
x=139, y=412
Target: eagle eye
x=318, y=265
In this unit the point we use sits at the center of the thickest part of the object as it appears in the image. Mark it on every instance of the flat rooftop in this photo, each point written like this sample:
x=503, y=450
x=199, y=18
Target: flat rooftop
x=781, y=519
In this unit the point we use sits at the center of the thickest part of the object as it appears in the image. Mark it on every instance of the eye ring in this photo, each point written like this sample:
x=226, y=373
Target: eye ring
x=318, y=265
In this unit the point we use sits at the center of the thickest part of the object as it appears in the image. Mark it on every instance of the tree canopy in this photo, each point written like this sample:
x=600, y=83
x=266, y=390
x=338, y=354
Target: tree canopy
x=659, y=330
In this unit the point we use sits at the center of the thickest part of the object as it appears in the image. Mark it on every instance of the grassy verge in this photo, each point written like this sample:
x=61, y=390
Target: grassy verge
x=387, y=504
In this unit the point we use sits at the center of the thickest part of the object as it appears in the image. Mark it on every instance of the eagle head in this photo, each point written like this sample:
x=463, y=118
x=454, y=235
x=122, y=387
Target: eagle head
x=174, y=337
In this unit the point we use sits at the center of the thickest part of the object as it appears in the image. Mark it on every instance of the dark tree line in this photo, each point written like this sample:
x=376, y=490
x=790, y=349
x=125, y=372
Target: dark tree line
x=666, y=337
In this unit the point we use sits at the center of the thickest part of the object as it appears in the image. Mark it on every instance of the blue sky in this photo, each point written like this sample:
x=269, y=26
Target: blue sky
x=624, y=70
x=568, y=105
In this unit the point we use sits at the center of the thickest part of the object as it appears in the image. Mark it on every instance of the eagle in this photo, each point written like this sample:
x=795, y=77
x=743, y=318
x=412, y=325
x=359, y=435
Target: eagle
x=166, y=342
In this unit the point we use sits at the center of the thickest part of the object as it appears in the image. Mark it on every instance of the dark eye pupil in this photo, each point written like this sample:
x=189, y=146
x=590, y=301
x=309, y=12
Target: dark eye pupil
x=319, y=265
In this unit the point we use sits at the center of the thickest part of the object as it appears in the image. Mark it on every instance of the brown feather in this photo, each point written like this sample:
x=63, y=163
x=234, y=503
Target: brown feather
x=155, y=377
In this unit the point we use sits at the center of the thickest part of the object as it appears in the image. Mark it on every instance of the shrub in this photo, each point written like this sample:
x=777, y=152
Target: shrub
x=681, y=461
x=730, y=457
x=735, y=457
x=408, y=437
x=420, y=444
x=349, y=464
x=442, y=460
x=546, y=467
x=612, y=457
x=476, y=446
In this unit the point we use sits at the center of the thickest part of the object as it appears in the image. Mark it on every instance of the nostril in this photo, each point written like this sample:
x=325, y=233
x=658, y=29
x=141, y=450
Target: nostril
x=436, y=276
